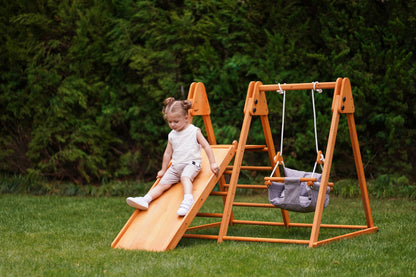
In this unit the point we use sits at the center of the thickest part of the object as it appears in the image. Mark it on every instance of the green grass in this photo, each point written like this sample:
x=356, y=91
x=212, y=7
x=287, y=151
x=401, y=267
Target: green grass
x=71, y=236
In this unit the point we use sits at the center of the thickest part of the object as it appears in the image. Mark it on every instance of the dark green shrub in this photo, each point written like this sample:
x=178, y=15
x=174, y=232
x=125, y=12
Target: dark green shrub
x=82, y=82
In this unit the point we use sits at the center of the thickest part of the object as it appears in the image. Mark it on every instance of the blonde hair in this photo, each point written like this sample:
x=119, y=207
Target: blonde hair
x=171, y=105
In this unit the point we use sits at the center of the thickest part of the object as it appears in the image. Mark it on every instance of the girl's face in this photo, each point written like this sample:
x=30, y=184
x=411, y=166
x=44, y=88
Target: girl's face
x=177, y=121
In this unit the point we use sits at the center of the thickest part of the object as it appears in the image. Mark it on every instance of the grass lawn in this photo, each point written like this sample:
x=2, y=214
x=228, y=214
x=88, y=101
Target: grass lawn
x=71, y=236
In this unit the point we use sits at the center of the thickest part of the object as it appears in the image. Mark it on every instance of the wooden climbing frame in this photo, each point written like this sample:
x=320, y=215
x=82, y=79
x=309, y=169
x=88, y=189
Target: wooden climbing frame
x=256, y=105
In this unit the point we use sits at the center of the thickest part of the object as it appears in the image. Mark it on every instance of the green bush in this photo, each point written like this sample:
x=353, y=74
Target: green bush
x=82, y=82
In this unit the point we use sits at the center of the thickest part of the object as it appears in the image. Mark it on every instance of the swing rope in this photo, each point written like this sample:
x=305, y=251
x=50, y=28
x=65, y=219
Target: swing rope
x=283, y=127
x=314, y=124
x=283, y=116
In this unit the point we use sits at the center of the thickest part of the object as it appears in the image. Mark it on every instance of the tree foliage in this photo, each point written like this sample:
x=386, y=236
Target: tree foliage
x=82, y=82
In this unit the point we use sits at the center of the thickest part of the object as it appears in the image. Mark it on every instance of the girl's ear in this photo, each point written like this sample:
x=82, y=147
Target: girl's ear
x=188, y=117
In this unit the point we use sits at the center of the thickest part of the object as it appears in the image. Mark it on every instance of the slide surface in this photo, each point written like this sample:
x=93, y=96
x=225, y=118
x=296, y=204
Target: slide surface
x=160, y=228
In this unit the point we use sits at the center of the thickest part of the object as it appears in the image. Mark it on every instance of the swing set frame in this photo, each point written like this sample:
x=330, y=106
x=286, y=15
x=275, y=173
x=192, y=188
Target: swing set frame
x=256, y=105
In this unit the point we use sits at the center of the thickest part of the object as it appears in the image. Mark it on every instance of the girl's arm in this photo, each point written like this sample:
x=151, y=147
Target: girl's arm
x=207, y=148
x=167, y=156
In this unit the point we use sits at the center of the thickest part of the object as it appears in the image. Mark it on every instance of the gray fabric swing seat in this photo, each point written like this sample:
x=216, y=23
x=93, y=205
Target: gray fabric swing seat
x=293, y=195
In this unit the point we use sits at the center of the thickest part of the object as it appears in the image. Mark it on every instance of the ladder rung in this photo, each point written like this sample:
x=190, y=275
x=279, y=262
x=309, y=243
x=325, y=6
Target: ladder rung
x=244, y=186
x=252, y=167
x=218, y=193
x=256, y=148
x=209, y=215
x=258, y=205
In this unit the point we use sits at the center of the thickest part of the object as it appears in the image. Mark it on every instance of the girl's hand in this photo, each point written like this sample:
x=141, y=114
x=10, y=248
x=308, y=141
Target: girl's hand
x=160, y=173
x=215, y=169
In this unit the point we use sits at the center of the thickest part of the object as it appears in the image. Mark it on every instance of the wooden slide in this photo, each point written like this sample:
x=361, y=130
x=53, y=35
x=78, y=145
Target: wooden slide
x=160, y=228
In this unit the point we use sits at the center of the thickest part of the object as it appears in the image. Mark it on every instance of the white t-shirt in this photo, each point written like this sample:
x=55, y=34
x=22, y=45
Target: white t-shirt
x=185, y=145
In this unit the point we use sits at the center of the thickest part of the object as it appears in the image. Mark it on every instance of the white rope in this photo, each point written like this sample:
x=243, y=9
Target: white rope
x=313, y=171
x=281, y=91
x=316, y=89
x=314, y=117
x=283, y=117
x=274, y=169
x=314, y=124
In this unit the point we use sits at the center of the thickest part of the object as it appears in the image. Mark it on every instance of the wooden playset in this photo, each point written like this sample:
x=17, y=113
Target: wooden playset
x=160, y=229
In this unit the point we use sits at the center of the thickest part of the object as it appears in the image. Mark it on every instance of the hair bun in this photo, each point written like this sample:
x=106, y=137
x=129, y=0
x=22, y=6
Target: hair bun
x=169, y=101
x=186, y=105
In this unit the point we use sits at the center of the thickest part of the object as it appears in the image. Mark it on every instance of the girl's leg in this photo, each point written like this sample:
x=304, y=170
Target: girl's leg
x=142, y=203
x=157, y=191
x=188, y=198
x=187, y=185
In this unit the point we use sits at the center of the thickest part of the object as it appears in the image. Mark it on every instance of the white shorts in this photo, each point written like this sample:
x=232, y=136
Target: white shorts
x=176, y=171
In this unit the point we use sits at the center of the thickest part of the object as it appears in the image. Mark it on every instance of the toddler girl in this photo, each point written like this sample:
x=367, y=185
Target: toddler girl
x=184, y=149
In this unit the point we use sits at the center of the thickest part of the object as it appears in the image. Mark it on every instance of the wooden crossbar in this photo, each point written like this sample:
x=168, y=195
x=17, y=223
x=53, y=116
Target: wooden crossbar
x=301, y=86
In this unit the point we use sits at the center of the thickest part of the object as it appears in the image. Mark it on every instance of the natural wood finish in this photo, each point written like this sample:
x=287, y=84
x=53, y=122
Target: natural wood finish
x=256, y=105
x=160, y=229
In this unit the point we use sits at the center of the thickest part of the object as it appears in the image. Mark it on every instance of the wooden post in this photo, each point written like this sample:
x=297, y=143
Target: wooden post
x=327, y=168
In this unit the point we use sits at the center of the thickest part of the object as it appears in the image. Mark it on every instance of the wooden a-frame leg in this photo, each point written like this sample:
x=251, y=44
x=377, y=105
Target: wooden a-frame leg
x=360, y=169
x=326, y=170
x=226, y=217
x=324, y=181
